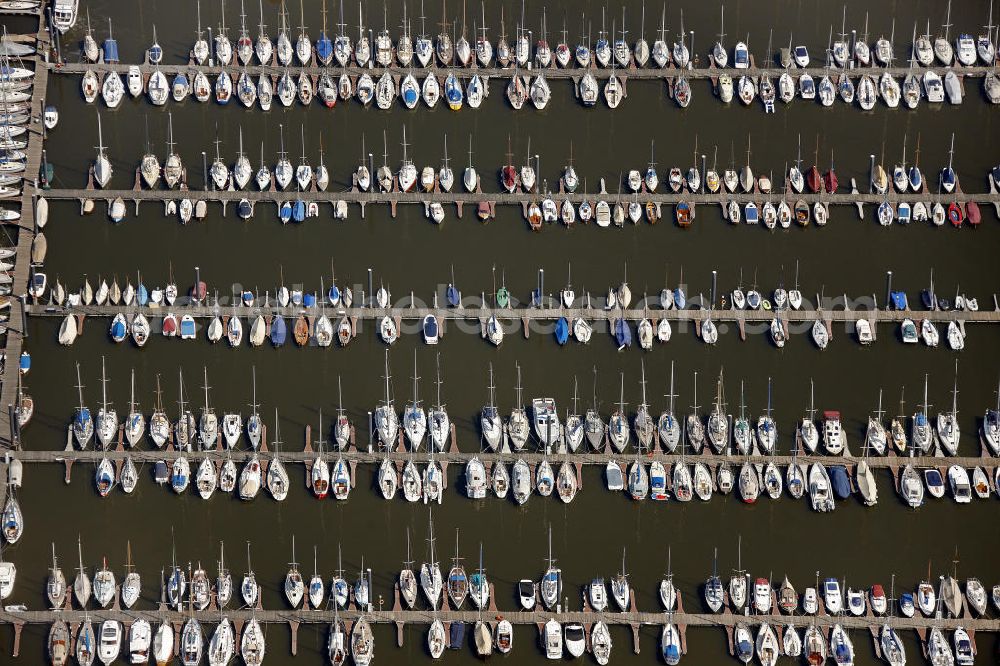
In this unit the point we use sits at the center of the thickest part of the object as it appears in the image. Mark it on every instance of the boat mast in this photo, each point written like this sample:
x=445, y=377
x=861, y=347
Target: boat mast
x=79, y=387
x=671, y=396
x=104, y=390
x=954, y=395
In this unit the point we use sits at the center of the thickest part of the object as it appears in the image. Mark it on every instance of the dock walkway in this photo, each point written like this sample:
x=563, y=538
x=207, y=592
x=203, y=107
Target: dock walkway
x=23, y=231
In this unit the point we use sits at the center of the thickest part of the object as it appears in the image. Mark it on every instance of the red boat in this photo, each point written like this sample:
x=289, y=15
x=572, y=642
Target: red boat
x=813, y=181
x=508, y=178
x=830, y=180
x=955, y=215
x=199, y=291
x=170, y=326
x=972, y=213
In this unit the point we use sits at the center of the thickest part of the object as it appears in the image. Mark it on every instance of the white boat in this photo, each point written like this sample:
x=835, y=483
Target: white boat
x=109, y=641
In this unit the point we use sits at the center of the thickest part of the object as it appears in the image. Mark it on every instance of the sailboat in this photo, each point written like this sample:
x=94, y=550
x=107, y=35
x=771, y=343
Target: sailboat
x=551, y=585
x=208, y=424
x=407, y=580
x=81, y=584
x=489, y=420
x=414, y=418
x=947, y=424
x=320, y=468
x=386, y=421
x=294, y=586
x=55, y=586
x=618, y=430
x=620, y=588
x=458, y=581
x=643, y=424
x=135, y=423
x=102, y=165
x=517, y=423
x=107, y=417
x=718, y=421
x=430, y=572
x=83, y=422
x=249, y=589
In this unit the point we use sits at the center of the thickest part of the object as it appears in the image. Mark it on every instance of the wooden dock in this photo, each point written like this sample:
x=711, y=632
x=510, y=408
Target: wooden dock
x=372, y=454
x=573, y=73
x=22, y=232
x=683, y=620
x=479, y=312
x=523, y=199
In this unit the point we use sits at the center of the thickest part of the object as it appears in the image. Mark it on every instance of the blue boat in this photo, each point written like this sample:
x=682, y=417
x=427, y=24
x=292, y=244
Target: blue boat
x=948, y=179
x=839, y=480
x=299, y=210
x=333, y=295
x=187, y=328
x=142, y=294
x=456, y=636
x=118, y=331
x=904, y=212
x=324, y=49
x=410, y=96
x=83, y=421
x=285, y=212
x=178, y=480
x=562, y=330
x=680, y=298
x=453, y=92
x=24, y=365
x=278, y=331
x=431, y=333
x=309, y=300
x=104, y=479
x=110, y=50
x=454, y=296
x=623, y=334
x=899, y=300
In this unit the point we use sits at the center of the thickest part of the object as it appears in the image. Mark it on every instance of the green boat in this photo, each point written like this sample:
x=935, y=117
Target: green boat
x=503, y=297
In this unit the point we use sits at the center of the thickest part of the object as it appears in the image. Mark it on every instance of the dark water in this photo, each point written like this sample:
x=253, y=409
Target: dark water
x=408, y=253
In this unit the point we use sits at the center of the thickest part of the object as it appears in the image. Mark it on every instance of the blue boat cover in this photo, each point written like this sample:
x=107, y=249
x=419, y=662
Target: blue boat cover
x=456, y=639
x=899, y=300
x=333, y=294
x=430, y=327
x=324, y=48
x=838, y=479
x=299, y=210
x=623, y=334
x=309, y=300
x=285, y=211
x=562, y=330
x=142, y=294
x=409, y=96
x=25, y=363
x=454, y=296
x=278, y=331
x=110, y=50
x=187, y=327
x=680, y=299
x=118, y=331
x=453, y=90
